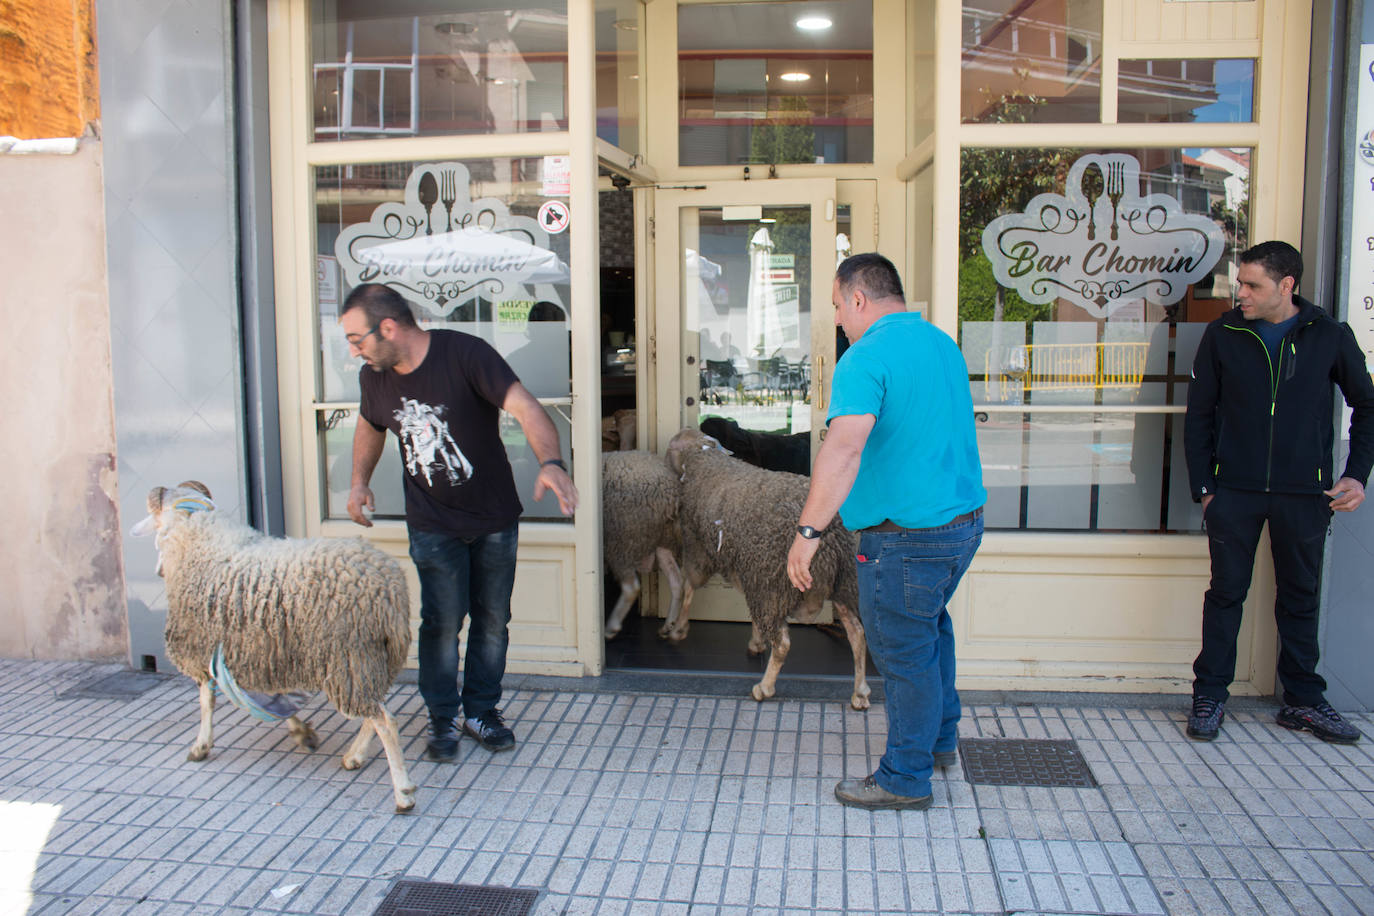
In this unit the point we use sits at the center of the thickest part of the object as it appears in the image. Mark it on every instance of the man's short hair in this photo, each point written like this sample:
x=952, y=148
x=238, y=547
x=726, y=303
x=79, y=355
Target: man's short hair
x=379, y=301
x=872, y=273
x=1279, y=260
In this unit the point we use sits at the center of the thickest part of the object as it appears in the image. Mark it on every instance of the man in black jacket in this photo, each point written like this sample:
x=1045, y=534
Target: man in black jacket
x=1258, y=437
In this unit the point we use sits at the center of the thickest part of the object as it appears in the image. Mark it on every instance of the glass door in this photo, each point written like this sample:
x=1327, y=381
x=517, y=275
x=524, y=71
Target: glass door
x=746, y=332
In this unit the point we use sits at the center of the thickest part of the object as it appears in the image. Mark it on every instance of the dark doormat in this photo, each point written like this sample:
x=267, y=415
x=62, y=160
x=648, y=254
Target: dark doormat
x=122, y=685
x=434, y=898
x=1024, y=762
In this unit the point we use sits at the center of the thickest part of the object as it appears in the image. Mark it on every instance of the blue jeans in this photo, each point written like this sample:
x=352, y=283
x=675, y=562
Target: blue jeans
x=462, y=577
x=906, y=579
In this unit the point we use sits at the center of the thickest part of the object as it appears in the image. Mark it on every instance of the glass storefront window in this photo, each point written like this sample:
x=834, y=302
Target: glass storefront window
x=438, y=68
x=618, y=27
x=480, y=246
x=772, y=83
x=1086, y=278
x=1210, y=91
x=1032, y=61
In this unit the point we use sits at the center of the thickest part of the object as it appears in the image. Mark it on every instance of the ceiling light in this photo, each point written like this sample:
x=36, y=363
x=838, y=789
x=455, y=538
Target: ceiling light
x=626, y=25
x=795, y=77
x=768, y=219
x=813, y=23
x=449, y=27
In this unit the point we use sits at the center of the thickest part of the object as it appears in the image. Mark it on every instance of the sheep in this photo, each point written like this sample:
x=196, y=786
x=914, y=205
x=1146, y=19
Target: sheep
x=318, y=614
x=639, y=507
x=739, y=521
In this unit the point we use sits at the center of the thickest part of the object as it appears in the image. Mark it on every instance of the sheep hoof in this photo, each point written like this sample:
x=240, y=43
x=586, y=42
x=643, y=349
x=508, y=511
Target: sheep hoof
x=760, y=693
x=405, y=806
x=306, y=737
x=612, y=634
x=198, y=753
x=350, y=763
x=858, y=702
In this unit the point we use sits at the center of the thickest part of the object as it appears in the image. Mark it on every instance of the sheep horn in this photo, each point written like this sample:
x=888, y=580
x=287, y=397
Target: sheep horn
x=155, y=496
x=197, y=486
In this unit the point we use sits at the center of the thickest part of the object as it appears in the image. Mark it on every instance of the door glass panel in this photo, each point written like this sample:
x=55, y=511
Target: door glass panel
x=746, y=297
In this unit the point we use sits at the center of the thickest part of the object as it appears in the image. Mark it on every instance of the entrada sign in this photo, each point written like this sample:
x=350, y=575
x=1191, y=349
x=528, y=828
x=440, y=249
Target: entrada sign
x=1102, y=244
x=439, y=248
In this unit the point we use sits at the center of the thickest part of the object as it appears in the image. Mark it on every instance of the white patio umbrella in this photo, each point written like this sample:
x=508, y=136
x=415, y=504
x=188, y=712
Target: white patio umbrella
x=761, y=322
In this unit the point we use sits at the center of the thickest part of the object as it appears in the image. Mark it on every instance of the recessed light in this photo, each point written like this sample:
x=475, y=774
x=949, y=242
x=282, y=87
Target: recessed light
x=813, y=23
x=767, y=219
x=795, y=77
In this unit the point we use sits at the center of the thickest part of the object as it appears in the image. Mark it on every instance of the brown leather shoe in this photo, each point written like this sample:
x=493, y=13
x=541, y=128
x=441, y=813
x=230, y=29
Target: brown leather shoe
x=866, y=793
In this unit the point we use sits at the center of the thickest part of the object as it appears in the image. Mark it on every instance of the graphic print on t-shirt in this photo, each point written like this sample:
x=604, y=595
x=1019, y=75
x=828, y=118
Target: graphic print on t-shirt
x=427, y=445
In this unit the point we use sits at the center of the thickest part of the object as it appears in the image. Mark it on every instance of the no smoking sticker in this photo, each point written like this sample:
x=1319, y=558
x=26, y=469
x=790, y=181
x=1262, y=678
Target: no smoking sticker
x=553, y=216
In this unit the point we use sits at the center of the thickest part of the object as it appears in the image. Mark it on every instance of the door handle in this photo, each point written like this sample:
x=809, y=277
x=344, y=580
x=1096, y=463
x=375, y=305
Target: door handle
x=819, y=372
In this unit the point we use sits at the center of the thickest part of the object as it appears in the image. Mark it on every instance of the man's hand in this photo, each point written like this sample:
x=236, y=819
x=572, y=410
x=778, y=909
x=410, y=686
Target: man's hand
x=552, y=477
x=358, y=497
x=1346, y=495
x=799, y=561
x=1206, y=501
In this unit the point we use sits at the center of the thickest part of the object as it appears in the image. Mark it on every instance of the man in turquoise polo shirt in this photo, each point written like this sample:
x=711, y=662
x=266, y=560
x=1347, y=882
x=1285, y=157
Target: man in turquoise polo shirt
x=900, y=465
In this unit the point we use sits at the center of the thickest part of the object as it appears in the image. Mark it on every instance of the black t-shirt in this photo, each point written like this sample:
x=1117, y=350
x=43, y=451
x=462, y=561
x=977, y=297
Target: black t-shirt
x=445, y=416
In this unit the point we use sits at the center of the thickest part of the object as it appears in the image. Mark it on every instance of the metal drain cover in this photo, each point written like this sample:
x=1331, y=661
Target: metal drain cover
x=434, y=898
x=1024, y=762
x=122, y=685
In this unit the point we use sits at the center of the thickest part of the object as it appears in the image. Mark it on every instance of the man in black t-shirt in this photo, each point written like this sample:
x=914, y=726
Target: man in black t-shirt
x=441, y=393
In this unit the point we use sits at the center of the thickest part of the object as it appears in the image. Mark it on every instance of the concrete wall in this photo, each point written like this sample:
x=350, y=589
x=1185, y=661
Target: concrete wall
x=62, y=589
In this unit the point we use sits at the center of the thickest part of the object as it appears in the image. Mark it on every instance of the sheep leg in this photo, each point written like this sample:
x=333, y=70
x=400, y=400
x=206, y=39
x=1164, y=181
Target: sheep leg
x=629, y=591
x=402, y=789
x=855, y=630
x=676, y=626
x=357, y=752
x=205, y=738
x=756, y=642
x=304, y=735
x=678, y=632
x=768, y=686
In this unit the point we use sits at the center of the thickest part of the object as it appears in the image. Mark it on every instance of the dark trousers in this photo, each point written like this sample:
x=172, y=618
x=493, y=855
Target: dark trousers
x=1297, y=533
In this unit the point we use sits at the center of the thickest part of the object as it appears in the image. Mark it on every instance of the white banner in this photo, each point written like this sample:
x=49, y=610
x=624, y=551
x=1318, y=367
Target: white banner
x=1359, y=308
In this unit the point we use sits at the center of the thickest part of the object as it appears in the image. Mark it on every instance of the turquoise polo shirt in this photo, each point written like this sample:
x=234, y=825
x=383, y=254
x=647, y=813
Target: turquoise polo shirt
x=920, y=465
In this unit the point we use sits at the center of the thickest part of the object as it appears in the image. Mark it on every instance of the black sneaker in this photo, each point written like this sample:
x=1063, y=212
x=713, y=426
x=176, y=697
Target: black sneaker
x=490, y=731
x=1321, y=720
x=443, y=741
x=1206, y=718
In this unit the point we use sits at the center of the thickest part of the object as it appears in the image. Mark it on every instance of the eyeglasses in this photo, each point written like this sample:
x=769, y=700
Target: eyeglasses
x=357, y=342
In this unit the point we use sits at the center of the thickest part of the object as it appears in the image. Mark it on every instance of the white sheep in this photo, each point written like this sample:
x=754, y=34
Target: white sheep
x=739, y=521
x=285, y=615
x=639, y=507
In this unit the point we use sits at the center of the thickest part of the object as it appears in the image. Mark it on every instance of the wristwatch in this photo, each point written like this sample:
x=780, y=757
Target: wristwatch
x=808, y=532
x=556, y=462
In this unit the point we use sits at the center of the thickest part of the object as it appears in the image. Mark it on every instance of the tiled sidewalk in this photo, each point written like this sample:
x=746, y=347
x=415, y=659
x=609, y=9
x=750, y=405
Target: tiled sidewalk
x=618, y=802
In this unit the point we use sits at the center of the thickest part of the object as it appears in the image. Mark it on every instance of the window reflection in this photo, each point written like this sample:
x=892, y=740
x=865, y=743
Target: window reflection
x=425, y=218
x=618, y=29
x=1209, y=91
x=437, y=69
x=1031, y=61
x=1078, y=397
x=775, y=82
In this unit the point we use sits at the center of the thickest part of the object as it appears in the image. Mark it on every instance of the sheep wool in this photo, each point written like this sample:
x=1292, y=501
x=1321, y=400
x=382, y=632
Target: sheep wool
x=739, y=521
x=639, y=524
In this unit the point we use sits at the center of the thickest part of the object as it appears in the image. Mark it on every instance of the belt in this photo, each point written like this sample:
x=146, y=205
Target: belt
x=891, y=527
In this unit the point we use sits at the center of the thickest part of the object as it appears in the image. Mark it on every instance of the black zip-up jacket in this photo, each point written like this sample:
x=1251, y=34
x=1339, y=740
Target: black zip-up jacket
x=1254, y=423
